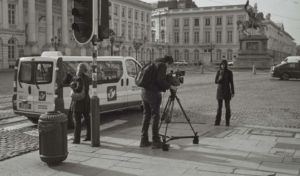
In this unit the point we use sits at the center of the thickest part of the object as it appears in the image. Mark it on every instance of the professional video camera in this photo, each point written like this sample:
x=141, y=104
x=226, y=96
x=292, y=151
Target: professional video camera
x=176, y=78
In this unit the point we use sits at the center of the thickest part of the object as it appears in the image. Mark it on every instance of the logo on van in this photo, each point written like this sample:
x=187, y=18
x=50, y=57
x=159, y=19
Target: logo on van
x=42, y=95
x=111, y=93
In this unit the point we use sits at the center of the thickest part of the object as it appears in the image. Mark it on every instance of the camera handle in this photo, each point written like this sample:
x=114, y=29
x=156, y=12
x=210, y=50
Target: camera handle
x=167, y=117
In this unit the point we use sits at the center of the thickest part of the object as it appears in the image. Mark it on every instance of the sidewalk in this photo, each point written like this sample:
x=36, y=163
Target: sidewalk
x=222, y=151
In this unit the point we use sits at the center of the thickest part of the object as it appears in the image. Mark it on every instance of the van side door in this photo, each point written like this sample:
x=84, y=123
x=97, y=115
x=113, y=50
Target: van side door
x=134, y=92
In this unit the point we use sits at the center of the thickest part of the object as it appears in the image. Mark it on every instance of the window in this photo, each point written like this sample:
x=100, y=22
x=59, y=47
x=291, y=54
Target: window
x=153, y=23
x=196, y=37
x=136, y=16
x=219, y=37
x=162, y=22
x=129, y=51
x=176, y=55
x=142, y=16
x=163, y=35
x=42, y=70
x=136, y=32
x=116, y=29
x=123, y=29
x=196, y=56
x=219, y=53
x=292, y=65
x=109, y=71
x=132, y=68
x=241, y=17
x=186, y=55
x=11, y=14
x=129, y=32
x=186, y=22
x=176, y=22
x=229, y=36
x=207, y=37
x=229, y=54
x=147, y=18
x=153, y=36
x=116, y=9
x=123, y=11
x=176, y=37
x=207, y=21
x=129, y=13
x=196, y=22
x=11, y=49
x=25, y=73
x=186, y=37
x=219, y=21
x=229, y=20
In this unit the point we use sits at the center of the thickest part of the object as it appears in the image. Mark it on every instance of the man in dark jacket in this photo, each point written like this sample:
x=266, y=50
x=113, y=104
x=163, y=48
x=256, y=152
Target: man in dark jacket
x=225, y=91
x=151, y=97
x=81, y=107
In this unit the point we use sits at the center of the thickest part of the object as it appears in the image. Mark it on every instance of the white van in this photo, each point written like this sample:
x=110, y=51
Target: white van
x=291, y=59
x=42, y=83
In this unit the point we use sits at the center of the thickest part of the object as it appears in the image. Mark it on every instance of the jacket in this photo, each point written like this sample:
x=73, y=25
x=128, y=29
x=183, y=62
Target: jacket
x=84, y=104
x=160, y=83
x=224, y=79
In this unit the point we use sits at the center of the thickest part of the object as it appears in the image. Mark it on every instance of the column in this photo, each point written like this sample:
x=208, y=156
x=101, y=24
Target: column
x=21, y=15
x=5, y=14
x=32, y=48
x=49, y=21
x=65, y=32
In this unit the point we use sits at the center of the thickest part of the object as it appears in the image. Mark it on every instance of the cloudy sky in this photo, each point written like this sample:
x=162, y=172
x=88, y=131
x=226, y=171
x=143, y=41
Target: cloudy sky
x=282, y=11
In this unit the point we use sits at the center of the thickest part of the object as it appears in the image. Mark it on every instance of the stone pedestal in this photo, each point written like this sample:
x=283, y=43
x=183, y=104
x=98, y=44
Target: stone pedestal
x=253, y=51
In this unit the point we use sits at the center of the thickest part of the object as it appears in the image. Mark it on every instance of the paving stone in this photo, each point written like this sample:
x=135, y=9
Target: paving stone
x=260, y=157
x=253, y=172
x=280, y=168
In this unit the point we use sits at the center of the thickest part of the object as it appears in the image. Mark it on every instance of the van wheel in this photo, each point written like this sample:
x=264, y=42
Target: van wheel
x=33, y=120
x=285, y=76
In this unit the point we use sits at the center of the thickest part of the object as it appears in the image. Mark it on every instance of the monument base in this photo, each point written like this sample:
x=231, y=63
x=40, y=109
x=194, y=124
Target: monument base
x=261, y=61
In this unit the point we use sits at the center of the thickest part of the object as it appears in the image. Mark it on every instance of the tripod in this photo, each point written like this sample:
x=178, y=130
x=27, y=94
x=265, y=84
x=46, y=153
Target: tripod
x=167, y=117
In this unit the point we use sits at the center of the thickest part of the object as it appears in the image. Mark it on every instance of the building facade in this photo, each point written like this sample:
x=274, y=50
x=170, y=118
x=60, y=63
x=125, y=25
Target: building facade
x=280, y=43
x=209, y=34
x=29, y=27
x=198, y=35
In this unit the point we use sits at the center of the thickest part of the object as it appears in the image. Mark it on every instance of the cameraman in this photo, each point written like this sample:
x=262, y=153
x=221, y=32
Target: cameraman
x=151, y=97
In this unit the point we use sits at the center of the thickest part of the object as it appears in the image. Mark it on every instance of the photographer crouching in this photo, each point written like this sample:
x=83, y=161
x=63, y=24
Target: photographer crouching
x=151, y=97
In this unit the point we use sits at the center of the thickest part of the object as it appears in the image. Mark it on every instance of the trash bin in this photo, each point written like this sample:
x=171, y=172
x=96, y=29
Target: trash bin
x=53, y=144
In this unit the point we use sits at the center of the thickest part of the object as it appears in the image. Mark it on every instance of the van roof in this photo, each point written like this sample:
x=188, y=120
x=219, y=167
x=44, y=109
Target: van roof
x=74, y=58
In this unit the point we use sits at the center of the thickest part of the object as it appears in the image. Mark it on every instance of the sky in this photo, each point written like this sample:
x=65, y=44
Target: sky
x=282, y=11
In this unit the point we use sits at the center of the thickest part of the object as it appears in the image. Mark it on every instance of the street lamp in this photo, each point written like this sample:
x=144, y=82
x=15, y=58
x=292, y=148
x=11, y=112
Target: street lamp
x=137, y=44
x=55, y=42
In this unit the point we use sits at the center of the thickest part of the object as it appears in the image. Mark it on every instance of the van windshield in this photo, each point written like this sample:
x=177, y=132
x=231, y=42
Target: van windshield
x=36, y=72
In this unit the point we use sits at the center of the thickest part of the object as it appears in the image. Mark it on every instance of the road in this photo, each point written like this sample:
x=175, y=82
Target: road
x=259, y=101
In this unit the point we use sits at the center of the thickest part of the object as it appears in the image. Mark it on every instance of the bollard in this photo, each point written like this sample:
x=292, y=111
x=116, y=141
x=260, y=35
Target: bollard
x=253, y=69
x=202, y=69
x=53, y=144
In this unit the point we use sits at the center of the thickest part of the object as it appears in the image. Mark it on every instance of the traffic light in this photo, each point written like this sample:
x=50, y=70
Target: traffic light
x=103, y=28
x=83, y=20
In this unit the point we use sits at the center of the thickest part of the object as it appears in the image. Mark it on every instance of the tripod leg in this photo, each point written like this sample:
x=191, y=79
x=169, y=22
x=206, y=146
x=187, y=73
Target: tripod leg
x=165, y=111
x=186, y=117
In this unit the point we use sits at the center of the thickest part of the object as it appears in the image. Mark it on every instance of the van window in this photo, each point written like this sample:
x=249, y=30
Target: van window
x=108, y=71
x=25, y=73
x=44, y=73
x=36, y=72
x=132, y=68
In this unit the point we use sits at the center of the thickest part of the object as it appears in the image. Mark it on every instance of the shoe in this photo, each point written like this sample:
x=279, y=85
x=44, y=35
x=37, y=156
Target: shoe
x=145, y=143
x=227, y=124
x=75, y=142
x=216, y=124
x=87, y=139
x=157, y=144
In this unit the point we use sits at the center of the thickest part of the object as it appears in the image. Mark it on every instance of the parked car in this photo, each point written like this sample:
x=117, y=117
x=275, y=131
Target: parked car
x=230, y=63
x=286, y=70
x=291, y=59
x=181, y=63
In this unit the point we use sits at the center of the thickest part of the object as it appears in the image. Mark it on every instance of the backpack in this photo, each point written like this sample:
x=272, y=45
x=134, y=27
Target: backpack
x=146, y=76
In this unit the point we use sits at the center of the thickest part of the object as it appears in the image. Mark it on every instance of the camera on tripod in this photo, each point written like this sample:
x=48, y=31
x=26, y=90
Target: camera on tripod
x=176, y=78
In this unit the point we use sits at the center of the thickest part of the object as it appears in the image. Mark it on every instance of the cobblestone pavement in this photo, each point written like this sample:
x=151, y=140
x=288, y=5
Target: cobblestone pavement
x=259, y=100
x=16, y=142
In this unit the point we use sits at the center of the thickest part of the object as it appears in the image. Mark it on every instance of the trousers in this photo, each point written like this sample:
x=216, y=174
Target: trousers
x=151, y=102
x=219, y=111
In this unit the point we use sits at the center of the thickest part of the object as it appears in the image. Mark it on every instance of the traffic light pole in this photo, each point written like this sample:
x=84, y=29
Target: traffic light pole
x=95, y=120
